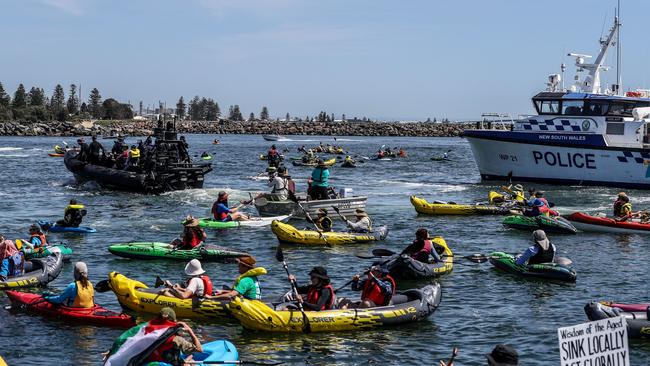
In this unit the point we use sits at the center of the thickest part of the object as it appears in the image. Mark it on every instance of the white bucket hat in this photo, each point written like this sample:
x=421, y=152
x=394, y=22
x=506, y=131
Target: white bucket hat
x=193, y=268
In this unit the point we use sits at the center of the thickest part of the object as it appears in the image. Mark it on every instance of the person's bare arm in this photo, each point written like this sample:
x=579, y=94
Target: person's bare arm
x=195, y=339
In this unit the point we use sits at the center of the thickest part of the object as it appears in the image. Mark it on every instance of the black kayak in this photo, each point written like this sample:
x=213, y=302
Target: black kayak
x=44, y=271
x=638, y=322
x=406, y=268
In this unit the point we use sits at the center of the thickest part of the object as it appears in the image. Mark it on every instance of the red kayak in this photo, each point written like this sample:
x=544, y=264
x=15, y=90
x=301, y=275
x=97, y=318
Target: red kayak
x=585, y=222
x=56, y=155
x=96, y=315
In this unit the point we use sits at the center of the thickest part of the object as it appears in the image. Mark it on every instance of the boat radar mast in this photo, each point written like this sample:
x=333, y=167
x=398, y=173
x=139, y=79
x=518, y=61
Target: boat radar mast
x=591, y=81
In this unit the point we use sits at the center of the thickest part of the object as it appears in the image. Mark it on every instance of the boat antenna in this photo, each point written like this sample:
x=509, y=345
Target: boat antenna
x=619, y=87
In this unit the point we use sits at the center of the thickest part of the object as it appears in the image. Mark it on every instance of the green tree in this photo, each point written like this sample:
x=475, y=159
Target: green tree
x=95, y=103
x=20, y=98
x=5, y=99
x=210, y=109
x=180, y=108
x=116, y=110
x=264, y=115
x=57, y=103
x=73, y=100
x=36, y=97
x=194, y=109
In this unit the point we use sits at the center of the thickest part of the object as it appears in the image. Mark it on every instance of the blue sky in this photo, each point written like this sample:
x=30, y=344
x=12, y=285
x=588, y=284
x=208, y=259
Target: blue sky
x=383, y=59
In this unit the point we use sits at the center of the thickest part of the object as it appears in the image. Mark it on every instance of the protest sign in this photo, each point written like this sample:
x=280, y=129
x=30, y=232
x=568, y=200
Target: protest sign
x=597, y=343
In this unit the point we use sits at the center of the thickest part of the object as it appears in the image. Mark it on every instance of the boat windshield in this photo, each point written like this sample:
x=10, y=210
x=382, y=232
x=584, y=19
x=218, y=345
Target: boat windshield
x=587, y=107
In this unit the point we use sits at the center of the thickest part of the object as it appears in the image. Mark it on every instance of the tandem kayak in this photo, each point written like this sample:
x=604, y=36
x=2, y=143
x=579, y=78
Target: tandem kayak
x=96, y=315
x=49, y=250
x=636, y=316
x=328, y=162
x=346, y=206
x=44, y=271
x=137, y=296
x=289, y=234
x=585, y=222
x=210, y=223
x=54, y=228
x=406, y=268
x=153, y=250
x=440, y=208
x=546, y=271
x=408, y=306
x=557, y=225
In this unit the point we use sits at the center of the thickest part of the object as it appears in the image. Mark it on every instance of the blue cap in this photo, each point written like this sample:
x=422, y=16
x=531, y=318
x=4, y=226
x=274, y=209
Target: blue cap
x=538, y=203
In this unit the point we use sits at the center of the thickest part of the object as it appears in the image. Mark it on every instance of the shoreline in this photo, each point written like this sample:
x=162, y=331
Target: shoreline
x=223, y=127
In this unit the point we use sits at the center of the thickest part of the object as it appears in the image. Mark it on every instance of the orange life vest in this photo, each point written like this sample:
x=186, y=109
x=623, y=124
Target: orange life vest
x=158, y=355
x=314, y=294
x=41, y=237
x=372, y=291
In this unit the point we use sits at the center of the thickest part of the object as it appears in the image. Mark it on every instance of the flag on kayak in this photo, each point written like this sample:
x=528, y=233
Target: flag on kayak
x=138, y=342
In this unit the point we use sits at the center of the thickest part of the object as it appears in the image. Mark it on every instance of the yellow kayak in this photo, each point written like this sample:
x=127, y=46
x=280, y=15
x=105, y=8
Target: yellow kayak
x=497, y=198
x=136, y=296
x=289, y=234
x=408, y=306
x=438, y=208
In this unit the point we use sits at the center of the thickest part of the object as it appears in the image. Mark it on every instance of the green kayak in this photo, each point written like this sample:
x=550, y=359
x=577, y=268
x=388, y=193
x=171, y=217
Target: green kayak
x=548, y=271
x=151, y=250
x=49, y=250
x=557, y=225
x=210, y=223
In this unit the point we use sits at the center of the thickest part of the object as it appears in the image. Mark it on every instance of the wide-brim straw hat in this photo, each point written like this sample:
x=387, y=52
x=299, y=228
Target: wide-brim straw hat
x=191, y=222
x=359, y=212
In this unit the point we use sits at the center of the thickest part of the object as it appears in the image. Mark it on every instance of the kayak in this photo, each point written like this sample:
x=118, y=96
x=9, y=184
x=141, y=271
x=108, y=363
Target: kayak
x=153, y=250
x=49, y=250
x=44, y=271
x=557, y=225
x=408, y=306
x=56, y=155
x=210, y=223
x=216, y=351
x=290, y=235
x=328, y=162
x=499, y=198
x=406, y=268
x=206, y=157
x=547, y=271
x=136, y=296
x=347, y=164
x=54, y=228
x=636, y=317
x=96, y=315
x=440, y=208
x=586, y=222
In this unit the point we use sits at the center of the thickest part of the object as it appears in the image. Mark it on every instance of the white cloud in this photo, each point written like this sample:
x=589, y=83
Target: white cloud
x=73, y=7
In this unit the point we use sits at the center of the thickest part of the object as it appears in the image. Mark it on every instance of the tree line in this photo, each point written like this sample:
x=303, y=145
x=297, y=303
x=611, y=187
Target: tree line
x=34, y=105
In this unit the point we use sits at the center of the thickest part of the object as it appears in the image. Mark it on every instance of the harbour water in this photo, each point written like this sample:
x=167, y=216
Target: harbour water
x=480, y=308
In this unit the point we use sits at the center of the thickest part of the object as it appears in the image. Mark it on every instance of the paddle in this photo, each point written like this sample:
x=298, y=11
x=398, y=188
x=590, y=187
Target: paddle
x=454, y=353
x=336, y=209
x=349, y=282
x=242, y=362
x=320, y=232
x=279, y=256
x=103, y=286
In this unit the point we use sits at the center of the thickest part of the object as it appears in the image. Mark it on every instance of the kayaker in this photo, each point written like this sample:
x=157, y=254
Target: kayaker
x=539, y=195
x=192, y=235
x=169, y=352
x=37, y=239
x=96, y=150
x=402, y=153
x=349, y=162
x=73, y=214
x=622, y=207
x=273, y=157
x=323, y=222
x=197, y=285
x=423, y=249
x=13, y=260
x=318, y=181
x=205, y=154
x=363, y=223
x=319, y=294
x=542, y=251
x=247, y=284
x=78, y=294
x=376, y=290
x=221, y=211
x=538, y=209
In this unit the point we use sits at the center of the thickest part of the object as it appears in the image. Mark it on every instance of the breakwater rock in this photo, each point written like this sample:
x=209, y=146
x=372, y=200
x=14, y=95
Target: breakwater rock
x=143, y=128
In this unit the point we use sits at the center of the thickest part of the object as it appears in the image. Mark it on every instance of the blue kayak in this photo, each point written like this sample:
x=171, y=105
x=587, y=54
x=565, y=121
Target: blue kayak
x=54, y=228
x=213, y=351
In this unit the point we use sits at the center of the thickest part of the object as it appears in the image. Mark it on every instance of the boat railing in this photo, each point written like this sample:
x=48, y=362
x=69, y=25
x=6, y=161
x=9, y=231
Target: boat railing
x=494, y=121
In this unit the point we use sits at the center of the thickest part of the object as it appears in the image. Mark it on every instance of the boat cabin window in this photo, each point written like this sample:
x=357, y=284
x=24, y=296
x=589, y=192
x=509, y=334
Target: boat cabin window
x=548, y=106
x=572, y=107
x=621, y=109
x=596, y=108
x=615, y=128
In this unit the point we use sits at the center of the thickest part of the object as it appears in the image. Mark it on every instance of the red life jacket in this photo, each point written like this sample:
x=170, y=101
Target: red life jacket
x=371, y=291
x=207, y=284
x=193, y=238
x=41, y=237
x=158, y=354
x=220, y=215
x=426, y=250
x=314, y=294
x=272, y=152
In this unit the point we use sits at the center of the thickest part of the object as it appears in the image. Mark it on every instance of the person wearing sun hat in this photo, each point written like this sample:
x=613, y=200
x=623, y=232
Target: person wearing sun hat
x=542, y=251
x=198, y=284
x=247, y=284
x=319, y=294
x=362, y=224
x=192, y=235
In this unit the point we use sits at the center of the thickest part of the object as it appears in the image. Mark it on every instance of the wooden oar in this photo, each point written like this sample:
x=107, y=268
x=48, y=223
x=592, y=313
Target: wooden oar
x=279, y=256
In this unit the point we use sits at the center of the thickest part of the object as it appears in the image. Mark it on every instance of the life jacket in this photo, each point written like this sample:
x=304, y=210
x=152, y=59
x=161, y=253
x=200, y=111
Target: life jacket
x=158, y=355
x=84, y=298
x=371, y=291
x=207, y=284
x=620, y=207
x=328, y=226
x=253, y=272
x=195, y=238
x=215, y=211
x=16, y=265
x=542, y=256
x=314, y=294
x=320, y=175
x=425, y=251
x=72, y=207
x=41, y=237
x=285, y=185
x=135, y=153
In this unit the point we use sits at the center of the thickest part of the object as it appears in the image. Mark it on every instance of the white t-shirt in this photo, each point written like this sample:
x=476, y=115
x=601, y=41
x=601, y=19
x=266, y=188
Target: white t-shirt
x=279, y=185
x=196, y=286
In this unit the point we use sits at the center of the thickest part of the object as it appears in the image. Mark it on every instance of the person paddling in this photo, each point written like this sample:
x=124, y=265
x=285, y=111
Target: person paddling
x=542, y=251
x=623, y=208
x=192, y=235
x=78, y=294
x=12, y=260
x=423, y=249
x=223, y=213
x=197, y=285
x=36, y=240
x=73, y=214
x=319, y=294
x=362, y=224
x=323, y=222
x=376, y=290
x=247, y=284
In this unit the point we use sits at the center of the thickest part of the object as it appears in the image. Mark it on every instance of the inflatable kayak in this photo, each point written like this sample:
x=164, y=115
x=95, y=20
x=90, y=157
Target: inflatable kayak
x=585, y=222
x=636, y=316
x=49, y=250
x=153, y=250
x=499, y=198
x=347, y=164
x=547, y=271
x=210, y=223
x=290, y=235
x=407, y=268
x=96, y=315
x=328, y=162
x=557, y=225
x=136, y=296
x=216, y=352
x=408, y=306
x=54, y=228
x=44, y=271
x=441, y=208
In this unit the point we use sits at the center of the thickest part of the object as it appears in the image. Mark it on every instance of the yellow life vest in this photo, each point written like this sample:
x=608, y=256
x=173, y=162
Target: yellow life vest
x=73, y=207
x=254, y=272
x=135, y=153
x=85, y=296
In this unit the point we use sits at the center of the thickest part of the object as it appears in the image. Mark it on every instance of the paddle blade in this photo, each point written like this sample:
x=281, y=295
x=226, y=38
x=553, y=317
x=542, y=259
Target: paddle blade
x=306, y=325
x=382, y=252
x=279, y=255
x=477, y=258
x=159, y=282
x=102, y=286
